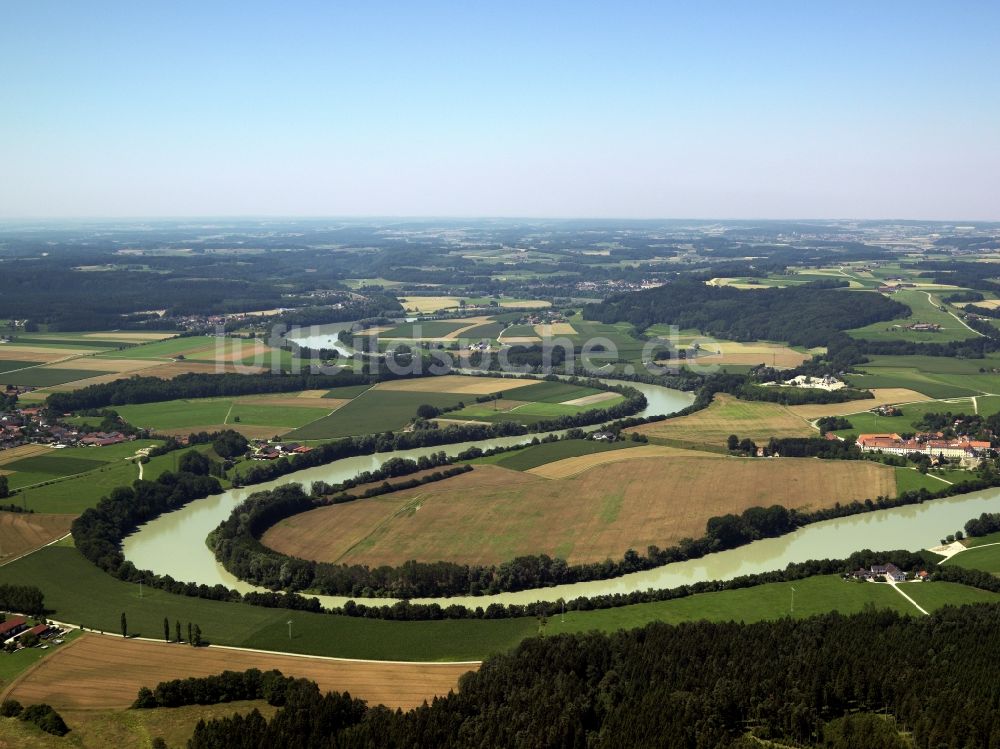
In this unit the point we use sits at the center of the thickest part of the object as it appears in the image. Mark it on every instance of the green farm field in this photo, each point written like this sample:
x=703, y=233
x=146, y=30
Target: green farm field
x=909, y=479
x=79, y=592
x=926, y=309
x=242, y=413
x=375, y=411
x=913, y=413
x=57, y=464
x=347, y=392
x=983, y=557
x=526, y=413
x=48, y=376
x=425, y=329
x=74, y=494
x=166, y=349
x=932, y=596
x=931, y=385
x=549, y=452
x=9, y=365
x=974, y=541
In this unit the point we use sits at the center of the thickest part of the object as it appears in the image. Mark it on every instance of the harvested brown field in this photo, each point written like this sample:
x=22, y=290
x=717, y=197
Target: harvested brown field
x=883, y=396
x=491, y=514
x=313, y=394
x=124, y=336
x=734, y=352
x=567, y=467
x=461, y=384
x=105, y=672
x=472, y=322
x=427, y=303
x=21, y=451
x=232, y=350
x=727, y=415
x=547, y=330
x=519, y=339
x=985, y=303
x=589, y=400
x=291, y=400
x=24, y=532
x=169, y=371
x=105, y=365
x=11, y=351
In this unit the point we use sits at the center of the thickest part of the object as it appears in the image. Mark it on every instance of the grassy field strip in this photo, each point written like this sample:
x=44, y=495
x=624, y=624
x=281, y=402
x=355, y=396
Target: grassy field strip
x=573, y=466
x=984, y=557
x=77, y=591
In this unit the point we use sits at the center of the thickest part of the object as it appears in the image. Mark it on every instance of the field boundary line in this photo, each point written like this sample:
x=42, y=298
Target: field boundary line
x=919, y=608
x=961, y=322
x=39, y=548
x=35, y=666
x=967, y=548
x=237, y=648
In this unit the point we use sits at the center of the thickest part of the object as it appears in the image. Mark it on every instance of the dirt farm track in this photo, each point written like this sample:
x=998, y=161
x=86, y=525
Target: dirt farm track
x=105, y=672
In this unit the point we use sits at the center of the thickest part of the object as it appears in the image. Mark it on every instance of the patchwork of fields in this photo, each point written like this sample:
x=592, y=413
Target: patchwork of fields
x=728, y=415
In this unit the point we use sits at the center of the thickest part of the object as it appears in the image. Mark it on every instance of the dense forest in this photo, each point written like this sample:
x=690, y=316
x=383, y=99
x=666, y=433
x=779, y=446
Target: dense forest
x=804, y=315
x=138, y=389
x=811, y=682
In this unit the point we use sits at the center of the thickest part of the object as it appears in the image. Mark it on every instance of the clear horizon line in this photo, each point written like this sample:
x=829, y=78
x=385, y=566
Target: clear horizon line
x=475, y=217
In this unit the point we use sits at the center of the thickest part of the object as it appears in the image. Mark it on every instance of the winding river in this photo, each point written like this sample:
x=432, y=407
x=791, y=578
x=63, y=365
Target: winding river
x=174, y=543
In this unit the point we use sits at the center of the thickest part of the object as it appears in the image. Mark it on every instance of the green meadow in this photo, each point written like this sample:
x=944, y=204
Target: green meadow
x=549, y=452
x=78, y=592
x=375, y=411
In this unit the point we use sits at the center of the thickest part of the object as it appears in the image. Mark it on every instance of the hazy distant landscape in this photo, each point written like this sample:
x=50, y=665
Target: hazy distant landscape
x=544, y=376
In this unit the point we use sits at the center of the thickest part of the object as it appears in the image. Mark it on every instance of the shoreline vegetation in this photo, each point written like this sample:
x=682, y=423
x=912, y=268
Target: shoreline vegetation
x=99, y=531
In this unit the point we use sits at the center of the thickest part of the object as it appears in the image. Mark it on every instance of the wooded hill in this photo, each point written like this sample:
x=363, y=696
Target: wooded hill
x=806, y=315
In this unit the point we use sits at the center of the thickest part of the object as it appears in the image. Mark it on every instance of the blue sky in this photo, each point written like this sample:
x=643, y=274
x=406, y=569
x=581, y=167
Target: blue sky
x=699, y=109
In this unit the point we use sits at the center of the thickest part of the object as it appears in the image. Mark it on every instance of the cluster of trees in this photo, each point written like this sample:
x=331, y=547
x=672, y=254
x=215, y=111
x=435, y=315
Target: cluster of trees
x=193, y=632
x=229, y=686
x=988, y=522
x=833, y=424
x=43, y=716
x=982, y=311
x=805, y=315
x=728, y=685
x=98, y=532
x=194, y=385
x=973, y=425
x=744, y=387
x=26, y=599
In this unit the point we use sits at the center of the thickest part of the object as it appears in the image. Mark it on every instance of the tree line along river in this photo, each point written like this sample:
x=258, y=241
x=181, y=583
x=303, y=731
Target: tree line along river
x=174, y=543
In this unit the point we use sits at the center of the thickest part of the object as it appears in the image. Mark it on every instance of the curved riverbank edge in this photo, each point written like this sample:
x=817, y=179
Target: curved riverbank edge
x=237, y=545
x=155, y=544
